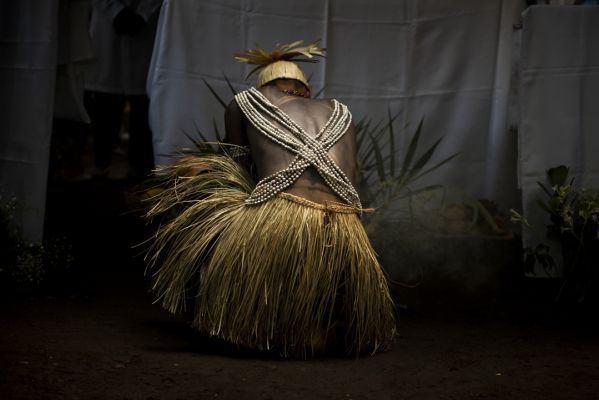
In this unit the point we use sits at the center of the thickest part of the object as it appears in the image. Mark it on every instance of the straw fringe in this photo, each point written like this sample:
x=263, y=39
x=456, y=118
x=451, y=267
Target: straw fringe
x=197, y=197
x=278, y=275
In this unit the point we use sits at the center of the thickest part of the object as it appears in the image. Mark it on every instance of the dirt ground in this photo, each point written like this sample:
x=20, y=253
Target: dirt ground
x=97, y=335
x=114, y=344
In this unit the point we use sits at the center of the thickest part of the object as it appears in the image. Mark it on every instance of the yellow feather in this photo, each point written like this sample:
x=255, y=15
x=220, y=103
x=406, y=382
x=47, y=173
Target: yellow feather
x=289, y=52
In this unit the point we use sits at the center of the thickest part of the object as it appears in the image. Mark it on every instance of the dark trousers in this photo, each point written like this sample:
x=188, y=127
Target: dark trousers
x=106, y=113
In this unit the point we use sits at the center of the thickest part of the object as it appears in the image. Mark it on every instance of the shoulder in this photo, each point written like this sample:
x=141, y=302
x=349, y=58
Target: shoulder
x=233, y=109
x=329, y=102
x=233, y=106
x=234, y=124
x=333, y=103
x=320, y=103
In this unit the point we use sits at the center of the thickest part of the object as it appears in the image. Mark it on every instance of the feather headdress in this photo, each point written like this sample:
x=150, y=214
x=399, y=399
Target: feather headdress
x=280, y=62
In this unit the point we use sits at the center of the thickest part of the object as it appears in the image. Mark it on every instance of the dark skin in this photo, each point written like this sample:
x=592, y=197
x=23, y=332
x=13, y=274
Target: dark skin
x=269, y=157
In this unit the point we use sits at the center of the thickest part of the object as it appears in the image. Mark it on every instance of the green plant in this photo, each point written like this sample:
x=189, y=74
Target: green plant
x=381, y=179
x=453, y=212
x=574, y=225
x=571, y=211
x=23, y=264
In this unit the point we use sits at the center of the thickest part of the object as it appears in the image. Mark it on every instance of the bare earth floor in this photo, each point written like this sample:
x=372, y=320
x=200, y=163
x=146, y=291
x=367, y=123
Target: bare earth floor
x=100, y=337
x=116, y=345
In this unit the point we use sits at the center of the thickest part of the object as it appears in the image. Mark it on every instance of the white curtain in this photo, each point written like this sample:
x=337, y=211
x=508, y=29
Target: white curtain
x=448, y=62
x=559, y=93
x=452, y=63
x=28, y=52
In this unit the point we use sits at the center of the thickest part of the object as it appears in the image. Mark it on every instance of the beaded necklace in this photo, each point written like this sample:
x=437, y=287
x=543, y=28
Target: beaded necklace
x=295, y=92
x=309, y=151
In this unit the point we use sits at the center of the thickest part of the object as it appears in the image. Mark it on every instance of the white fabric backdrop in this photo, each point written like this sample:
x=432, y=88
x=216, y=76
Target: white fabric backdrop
x=446, y=61
x=559, y=94
x=28, y=51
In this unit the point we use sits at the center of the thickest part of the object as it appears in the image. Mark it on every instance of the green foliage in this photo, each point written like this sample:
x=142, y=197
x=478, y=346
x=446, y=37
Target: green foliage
x=380, y=180
x=223, y=103
x=25, y=265
x=571, y=211
x=539, y=254
x=9, y=242
x=574, y=224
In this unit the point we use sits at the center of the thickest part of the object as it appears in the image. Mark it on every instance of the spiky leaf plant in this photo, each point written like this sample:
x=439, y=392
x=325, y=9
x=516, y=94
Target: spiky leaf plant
x=380, y=180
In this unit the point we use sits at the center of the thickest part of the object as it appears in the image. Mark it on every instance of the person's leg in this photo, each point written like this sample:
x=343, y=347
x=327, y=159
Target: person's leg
x=141, y=154
x=106, y=113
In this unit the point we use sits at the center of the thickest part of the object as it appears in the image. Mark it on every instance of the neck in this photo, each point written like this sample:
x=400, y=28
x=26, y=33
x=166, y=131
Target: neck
x=292, y=87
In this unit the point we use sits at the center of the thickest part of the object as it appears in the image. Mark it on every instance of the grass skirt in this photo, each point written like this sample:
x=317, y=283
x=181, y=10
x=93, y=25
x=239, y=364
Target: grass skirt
x=280, y=275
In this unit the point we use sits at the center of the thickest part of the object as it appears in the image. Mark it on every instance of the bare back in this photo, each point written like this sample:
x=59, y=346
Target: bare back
x=270, y=157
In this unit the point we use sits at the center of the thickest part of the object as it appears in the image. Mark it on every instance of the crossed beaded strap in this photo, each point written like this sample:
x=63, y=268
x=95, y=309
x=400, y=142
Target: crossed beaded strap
x=308, y=150
x=311, y=151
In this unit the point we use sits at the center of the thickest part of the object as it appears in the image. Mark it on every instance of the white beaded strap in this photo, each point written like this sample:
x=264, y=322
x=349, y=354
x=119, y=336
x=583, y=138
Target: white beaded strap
x=309, y=151
x=268, y=187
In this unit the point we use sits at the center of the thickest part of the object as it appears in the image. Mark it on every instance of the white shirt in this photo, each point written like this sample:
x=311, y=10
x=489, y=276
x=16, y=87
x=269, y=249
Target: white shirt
x=122, y=61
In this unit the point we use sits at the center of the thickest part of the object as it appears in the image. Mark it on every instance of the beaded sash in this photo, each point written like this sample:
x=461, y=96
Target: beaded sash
x=309, y=151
